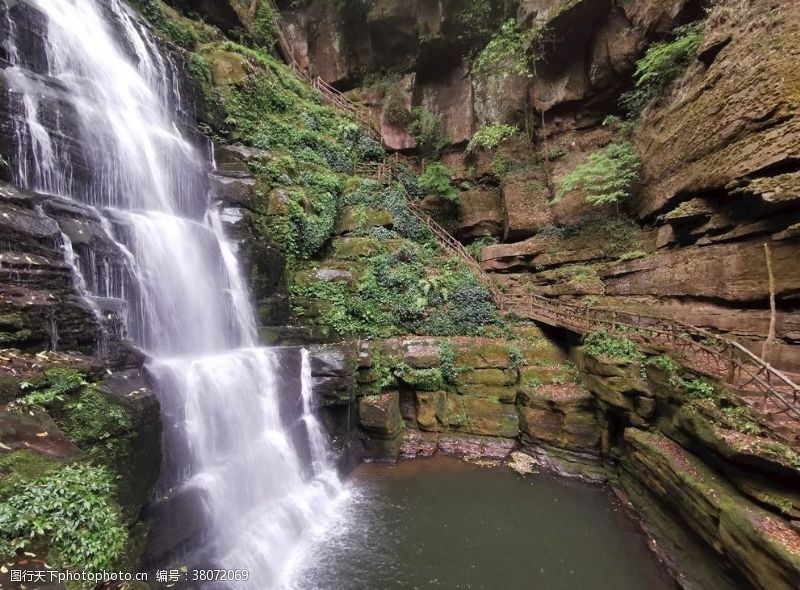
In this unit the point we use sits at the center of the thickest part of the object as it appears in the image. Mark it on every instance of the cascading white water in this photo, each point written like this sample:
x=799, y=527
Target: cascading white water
x=262, y=474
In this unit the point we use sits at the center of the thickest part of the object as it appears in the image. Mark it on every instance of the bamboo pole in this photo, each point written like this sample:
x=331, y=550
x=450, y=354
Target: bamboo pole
x=771, y=277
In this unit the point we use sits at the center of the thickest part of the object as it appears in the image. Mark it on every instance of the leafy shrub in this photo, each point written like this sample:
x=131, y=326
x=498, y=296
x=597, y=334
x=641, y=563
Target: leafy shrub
x=428, y=132
x=501, y=165
x=698, y=388
x=515, y=356
x=477, y=246
x=601, y=343
x=265, y=29
x=661, y=64
x=407, y=291
x=491, y=136
x=198, y=69
x=71, y=511
x=395, y=110
x=173, y=29
x=607, y=176
x=59, y=383
x=664, y=362
x=505, y=54
x=741, y=419
x=405, y=223
x=447, y=364
x=475, y=19
x=436, y=180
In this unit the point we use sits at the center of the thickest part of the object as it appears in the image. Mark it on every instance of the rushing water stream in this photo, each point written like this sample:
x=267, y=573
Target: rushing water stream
x=100, y=123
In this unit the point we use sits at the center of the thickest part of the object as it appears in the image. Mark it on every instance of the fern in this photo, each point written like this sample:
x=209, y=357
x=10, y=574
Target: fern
x=491, y=136
x=661, y=64
x=607, y=176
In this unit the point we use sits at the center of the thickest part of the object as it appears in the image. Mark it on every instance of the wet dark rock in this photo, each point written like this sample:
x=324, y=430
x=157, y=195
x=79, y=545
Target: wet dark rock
x=36, y=431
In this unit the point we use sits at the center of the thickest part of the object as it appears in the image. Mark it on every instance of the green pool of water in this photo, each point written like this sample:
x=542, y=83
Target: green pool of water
x=443, y=523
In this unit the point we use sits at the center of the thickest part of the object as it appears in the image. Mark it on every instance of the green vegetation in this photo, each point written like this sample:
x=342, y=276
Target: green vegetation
x=579, y=273
x=602, y=344
x=698, y=388
x=436, y=181
x=58, y=384
x=666, y=363
x=92, y=417
x=475, y=248
x=428, y=133
x=501, y=165
x=408, y=290
x=312, y=147
x=371, y=193
x=265, y=28
x=447, y=364
x=661, y=65
x=395, y=110
x=491, y=136
x=741, y=419
x=70, y=509
x=515, y=357
x=505, y=54
x=632, y=255
x=166, y=22
x=475, y=19
x=607, y=176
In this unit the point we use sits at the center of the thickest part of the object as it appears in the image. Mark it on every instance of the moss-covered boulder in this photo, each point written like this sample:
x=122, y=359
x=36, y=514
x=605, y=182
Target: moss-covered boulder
x=761, y=546
x=431, y=410
x=380, y=419
x=618, y=385
x=355, y=218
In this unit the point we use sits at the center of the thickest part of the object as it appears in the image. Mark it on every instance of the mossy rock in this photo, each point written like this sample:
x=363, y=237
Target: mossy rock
x=483, y=354
x=355, y=218
x=380, y=414
x=228, y=68
x=496, y=377
x=617, y=384
x=431, y=410
x=24, y=465
x=498, y=393
x=355, y=248
x=762, y=547
x=490, y=418
x=559, y=374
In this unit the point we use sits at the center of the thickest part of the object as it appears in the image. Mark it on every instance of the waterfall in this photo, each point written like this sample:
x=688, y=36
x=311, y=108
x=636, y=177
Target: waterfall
x=100, y=123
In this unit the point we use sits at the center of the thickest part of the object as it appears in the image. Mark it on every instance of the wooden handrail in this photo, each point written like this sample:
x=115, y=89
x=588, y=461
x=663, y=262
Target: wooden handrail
x=732, y=359
x=333, y=96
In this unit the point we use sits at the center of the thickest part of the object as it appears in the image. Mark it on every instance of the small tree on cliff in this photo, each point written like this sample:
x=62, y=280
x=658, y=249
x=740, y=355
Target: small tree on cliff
x=606, y=177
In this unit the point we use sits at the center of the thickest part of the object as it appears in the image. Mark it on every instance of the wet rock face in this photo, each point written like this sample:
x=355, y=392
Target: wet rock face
x=236, y=195
x=39, y=307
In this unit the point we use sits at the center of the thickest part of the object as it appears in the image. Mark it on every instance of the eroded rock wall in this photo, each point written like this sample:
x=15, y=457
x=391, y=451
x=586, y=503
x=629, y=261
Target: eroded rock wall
x=718, y=151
